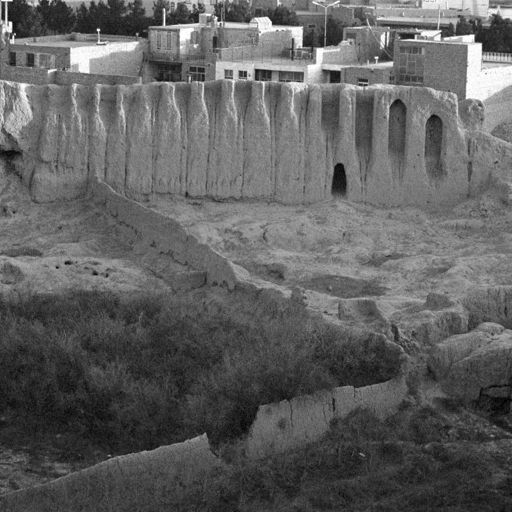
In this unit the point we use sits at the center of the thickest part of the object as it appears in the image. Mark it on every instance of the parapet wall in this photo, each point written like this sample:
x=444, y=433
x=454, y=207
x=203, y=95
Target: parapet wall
x=247, y=140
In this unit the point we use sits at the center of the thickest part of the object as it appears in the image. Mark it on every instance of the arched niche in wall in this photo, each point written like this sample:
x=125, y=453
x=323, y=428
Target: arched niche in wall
x=396, y=136
x=339, y=181
x=434, y=147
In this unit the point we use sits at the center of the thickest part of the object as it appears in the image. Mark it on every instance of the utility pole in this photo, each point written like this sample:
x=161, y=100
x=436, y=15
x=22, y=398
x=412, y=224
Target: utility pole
x=326, y=6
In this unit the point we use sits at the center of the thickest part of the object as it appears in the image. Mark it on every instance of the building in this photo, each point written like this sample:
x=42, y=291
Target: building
x=190, y=52
x=455, y=64
x=333, y=64
x=479, y=8
x=84, y=58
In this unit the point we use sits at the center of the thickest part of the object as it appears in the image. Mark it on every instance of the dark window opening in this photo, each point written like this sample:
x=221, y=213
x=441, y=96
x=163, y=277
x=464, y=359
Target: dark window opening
x=339, y=181
x=334, y=77
x=12, y=58
x=30, y=60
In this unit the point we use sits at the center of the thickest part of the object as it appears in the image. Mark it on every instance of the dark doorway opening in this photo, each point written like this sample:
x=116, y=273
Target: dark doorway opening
x=339, y=181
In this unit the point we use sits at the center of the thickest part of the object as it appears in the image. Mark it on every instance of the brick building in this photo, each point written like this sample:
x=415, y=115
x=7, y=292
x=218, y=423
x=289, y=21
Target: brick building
x=41, y=59
x=190, y=52
x=455, y=64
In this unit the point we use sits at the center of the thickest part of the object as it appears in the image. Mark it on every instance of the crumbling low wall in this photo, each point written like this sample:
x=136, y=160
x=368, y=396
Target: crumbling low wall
x=293, y=423
x=167, y=236
x=145, y=481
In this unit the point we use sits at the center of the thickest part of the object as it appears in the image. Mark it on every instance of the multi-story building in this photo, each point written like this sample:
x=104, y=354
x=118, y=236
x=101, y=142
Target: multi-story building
x=190, y=52
x=84, y=58
x=455, y=64
x=333, y=64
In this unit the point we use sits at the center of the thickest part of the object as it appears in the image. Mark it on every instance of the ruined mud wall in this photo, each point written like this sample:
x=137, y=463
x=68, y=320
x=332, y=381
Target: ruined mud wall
x=294, y=423
x=227, y=139
x=144, y=481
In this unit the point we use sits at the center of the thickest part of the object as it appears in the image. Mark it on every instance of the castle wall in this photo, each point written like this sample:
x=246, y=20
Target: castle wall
x=235, y=139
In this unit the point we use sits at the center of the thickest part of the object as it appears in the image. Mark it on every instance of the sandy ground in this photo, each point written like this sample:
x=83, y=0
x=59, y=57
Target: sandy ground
x=342, y=249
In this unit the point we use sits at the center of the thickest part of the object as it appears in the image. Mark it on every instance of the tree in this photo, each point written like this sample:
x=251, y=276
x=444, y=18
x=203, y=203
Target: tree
x=158, y=7
x=449, y=31
x=60, y=18
x=180, y=15
x=115, y=22
x=463, y=27
x=26, y=20
x=98, y=13
x=283, y=16
x=334, y=31
x=240, y=12
x=83, y=20
x=498, y=37
x=196, y=11
x=136, y=21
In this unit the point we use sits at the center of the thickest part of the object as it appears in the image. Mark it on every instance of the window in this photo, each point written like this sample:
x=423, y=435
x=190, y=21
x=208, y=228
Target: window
x=228, y=74
x=242, y=75
x=362, y=82
x=291, y=76
x=412, y=50
x=30, y=60
x=45, y=60
x=194, y=38
x=197, y=73
x=159, y=40
x=311, y=25
x=263, y=75
x=334, y=77
x=168, y=45
x=12, y=58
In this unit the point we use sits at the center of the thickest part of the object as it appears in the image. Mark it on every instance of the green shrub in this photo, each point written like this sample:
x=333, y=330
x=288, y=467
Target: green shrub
x=137, y=372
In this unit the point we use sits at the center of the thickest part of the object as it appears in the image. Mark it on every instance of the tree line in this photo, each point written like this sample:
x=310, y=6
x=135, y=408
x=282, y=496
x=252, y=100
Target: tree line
x=497, y=37
x=50, y=17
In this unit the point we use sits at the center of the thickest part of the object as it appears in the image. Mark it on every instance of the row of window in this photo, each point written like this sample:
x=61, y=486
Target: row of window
x=265, y=75
x=413, y=50
x=170, y=38
x=410, y=79
x=197, y=73
x=45, y=60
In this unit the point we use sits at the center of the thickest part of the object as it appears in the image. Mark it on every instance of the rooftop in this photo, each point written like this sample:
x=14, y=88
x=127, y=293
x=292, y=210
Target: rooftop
x=73, y=41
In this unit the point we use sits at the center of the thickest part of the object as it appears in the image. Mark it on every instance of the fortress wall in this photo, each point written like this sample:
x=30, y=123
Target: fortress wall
x=229, y=139
x=144, y=481
x=293, y=423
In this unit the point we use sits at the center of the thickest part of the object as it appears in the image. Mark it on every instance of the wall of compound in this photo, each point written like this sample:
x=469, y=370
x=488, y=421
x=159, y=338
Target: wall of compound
x=69, y=77
x=144, y=481
x=166, y=236
x=116, y=58
x=294, y=423
x=239, y=139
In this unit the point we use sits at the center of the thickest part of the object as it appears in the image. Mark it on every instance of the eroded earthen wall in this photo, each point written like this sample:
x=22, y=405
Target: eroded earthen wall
x=239, y=140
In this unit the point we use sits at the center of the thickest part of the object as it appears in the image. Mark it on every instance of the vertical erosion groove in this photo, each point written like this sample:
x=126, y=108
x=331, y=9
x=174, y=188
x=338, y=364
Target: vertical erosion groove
x=115, y=173
x=433, y=147
x=364, y=130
